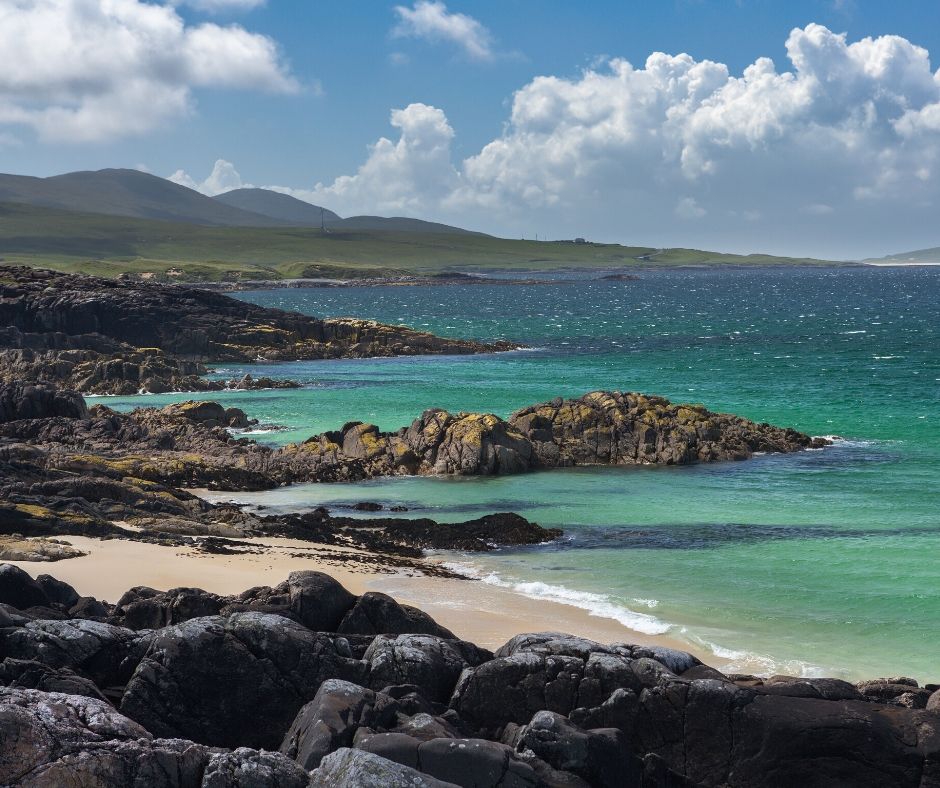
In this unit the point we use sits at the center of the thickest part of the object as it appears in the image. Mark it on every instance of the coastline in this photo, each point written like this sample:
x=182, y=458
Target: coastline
x=475, y=611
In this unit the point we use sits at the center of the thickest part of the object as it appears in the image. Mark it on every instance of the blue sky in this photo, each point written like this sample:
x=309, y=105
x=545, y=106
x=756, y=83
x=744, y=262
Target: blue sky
x=299, y=99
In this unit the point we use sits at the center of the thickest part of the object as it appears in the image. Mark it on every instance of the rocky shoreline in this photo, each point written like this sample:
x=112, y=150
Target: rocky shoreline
x=125, y=336
x=305, y=684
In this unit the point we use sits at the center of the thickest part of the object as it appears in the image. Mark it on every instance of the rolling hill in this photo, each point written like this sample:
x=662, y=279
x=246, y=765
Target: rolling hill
x=127, y=193
x=401, y=224
x=278, y=206
x=921, y=256
x=113, y=245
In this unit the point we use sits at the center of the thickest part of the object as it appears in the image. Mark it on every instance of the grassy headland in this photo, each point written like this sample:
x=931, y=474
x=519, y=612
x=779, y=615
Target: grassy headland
x=108, y=246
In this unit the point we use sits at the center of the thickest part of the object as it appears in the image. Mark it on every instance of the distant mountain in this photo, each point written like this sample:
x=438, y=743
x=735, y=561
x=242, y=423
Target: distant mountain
x=917, y=256
x=128, y=193
x=396, y=224
x=278, y=206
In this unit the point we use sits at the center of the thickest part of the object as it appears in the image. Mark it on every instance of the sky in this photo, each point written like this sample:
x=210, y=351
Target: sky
x=803, y=127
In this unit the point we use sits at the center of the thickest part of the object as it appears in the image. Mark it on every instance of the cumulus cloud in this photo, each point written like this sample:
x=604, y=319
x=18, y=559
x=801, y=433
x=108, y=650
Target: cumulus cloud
x=90, y=70
x=406, y=176
x=221, y=6
x=838, y=156
x=430, y=20
x=223, y=178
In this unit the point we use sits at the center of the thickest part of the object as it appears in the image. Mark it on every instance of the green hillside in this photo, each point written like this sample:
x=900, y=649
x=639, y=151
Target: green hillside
x=111, y=245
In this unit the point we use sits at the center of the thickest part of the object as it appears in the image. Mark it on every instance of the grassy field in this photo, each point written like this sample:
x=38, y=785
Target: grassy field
x=112, y=245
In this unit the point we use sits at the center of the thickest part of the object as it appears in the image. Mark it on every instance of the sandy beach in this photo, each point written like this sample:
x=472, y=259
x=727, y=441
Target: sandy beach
x=474, y=611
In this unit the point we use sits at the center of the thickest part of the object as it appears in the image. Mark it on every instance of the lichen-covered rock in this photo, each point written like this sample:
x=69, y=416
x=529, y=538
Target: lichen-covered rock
x=51, y=740
x=348, y=768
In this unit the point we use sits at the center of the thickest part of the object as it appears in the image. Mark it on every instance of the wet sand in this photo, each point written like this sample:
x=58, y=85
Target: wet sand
x=483, y=614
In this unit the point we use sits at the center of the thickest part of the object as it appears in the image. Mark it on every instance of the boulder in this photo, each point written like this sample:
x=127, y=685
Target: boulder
x=471, y=763
x=348, y=768
x=600, y=756
x=19, y=590
x=38, y=401
x=332, y=718
x=57, y=591
x=107, y=654
x=429, y=663
x=378, y=614
x=50, y=740
x=29, y=674
x=212, y=679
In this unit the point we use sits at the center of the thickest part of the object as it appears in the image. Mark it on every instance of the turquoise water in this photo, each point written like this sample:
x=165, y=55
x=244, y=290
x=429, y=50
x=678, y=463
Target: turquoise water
x=821, y=562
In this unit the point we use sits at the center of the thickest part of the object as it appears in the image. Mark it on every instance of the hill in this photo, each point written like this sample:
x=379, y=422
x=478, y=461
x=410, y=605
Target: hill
x=396, y=224
x=112, y=245
x=278, y=206
x=127, y=193
x=917, y=256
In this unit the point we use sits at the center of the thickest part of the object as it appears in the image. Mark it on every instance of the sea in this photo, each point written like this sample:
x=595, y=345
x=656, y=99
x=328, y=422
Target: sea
x=823, y=562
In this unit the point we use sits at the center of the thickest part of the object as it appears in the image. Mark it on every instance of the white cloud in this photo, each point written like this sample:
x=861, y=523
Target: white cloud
x=221, y=6
x=430, y=19
x=223, y=178
x=401, y=177
x=90, y=70
x=837, y=156
x=688, y=208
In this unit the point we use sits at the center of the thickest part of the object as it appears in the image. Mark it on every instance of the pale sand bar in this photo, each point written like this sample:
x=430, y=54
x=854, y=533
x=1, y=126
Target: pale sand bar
x=483, y=614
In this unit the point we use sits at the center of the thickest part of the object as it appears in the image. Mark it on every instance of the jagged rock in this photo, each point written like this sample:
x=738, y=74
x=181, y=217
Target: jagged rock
x=348, y=768
x=900, y=690
x=430, y=663
x=49, y=740
x=38, y=401
x=546, y=671
x=246, y=768
x=29, y=674
x=377, y=614
x=105, y=653
x=599, y=756
x=331, y=720
x=211, y=679
x=198, y=324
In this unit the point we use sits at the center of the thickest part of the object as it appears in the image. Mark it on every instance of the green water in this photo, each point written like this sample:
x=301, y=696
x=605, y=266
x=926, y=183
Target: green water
x=820, y=562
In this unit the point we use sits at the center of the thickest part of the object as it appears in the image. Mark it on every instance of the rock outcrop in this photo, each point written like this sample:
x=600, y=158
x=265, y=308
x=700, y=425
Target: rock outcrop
x=187, y=323
x=546, y=710
x=600, y=428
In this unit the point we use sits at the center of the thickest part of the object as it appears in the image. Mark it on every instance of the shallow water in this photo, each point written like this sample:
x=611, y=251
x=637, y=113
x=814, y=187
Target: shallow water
x=821, y=562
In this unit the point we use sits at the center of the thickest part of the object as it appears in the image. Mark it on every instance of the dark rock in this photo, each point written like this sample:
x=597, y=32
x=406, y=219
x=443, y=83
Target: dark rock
x=348, y=768
x=368, y=506
x=105, y=653
x=472, y=763
x=331, y=720
x=57, y=591
x=378, y=614
x=901, y=691
x=38, y=401
x=29, y=674
x=425, y=661
x=49, y=740
x=211, y=679
x=318, y=601
x=601, y=757
x=88, y=607
x=19, y=590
